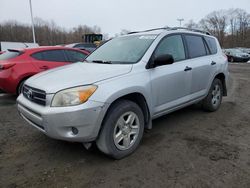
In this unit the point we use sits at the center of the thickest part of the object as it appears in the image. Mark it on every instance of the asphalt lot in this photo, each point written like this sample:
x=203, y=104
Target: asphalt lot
x=187, y=148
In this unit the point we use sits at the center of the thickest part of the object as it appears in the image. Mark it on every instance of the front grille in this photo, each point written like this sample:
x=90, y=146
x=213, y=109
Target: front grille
x=36, y=95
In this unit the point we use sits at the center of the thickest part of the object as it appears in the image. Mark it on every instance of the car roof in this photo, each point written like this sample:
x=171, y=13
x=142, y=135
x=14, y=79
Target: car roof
x=48, y=48
x=234, y=49
x=40, y=48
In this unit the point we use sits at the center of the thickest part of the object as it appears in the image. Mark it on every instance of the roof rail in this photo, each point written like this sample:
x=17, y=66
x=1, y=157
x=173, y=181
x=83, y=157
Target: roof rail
x=165, y=28
x=172, y=28
x=148, y=30
x=190, y=29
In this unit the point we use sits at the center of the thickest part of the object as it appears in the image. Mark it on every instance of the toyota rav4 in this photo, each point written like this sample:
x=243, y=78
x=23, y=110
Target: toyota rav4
x=113, y=96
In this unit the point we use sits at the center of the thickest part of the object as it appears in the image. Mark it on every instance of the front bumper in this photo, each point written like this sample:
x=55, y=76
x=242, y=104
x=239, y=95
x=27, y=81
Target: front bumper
x=57, y=122
x=241, y=59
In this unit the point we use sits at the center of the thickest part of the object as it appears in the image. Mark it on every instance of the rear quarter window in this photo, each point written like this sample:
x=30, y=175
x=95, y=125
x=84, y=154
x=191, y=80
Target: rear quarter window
x=211, y=44
x=195, y=45
x=38, y=56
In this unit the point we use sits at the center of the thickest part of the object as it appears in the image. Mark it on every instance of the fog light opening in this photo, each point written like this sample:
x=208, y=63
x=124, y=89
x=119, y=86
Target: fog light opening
x=74, y=130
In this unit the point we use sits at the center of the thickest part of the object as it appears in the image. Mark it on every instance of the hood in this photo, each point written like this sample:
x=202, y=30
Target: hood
x=76, y=74
x=241, y=54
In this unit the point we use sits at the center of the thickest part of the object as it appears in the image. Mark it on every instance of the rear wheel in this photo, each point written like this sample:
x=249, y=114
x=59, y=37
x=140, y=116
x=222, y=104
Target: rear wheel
x=213, y=100
x=122, y=129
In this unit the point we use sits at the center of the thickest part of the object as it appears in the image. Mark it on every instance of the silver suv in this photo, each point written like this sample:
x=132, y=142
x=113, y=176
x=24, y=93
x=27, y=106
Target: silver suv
x=123, y=85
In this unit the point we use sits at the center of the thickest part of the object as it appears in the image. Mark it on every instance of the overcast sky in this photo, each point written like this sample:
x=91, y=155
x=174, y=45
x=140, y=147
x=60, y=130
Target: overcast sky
x=114, y=15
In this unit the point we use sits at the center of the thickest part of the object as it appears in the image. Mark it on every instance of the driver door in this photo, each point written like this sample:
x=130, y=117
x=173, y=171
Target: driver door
x=171, y=84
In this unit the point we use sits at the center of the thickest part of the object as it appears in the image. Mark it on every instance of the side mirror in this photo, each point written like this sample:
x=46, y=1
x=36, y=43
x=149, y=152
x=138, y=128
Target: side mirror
x=163, y=60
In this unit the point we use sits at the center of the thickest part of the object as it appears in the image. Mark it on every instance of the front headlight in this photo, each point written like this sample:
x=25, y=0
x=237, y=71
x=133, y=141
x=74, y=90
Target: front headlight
x=73, y=96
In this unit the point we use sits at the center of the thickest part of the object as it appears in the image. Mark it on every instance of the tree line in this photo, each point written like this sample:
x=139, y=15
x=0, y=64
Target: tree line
x=47, y=33
x=231, y=27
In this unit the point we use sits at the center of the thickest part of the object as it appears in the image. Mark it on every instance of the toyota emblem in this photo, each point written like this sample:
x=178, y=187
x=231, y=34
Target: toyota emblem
x=29, y=94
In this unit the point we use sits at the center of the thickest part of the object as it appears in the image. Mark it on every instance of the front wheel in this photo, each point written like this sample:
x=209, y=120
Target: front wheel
x=213, y=100
x=122, y=129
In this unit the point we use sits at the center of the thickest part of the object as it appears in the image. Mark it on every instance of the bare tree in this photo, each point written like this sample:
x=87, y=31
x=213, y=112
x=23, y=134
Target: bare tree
x=216, y=23
x=244, y=23
x=238, y=28
x=192, y=25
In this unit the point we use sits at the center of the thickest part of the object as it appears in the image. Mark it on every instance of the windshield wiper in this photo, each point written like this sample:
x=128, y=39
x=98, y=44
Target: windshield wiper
x=103, y=62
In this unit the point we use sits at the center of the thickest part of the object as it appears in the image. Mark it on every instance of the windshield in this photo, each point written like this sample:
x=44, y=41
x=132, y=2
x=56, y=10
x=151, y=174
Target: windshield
x=123, y=50
x=9, y=54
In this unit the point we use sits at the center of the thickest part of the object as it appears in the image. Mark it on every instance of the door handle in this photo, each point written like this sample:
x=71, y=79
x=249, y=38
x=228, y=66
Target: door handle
x=44, y=67
x=188, y=68
x=213, y=63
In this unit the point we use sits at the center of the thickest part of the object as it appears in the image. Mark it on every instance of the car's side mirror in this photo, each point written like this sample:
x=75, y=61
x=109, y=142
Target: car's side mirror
x=166, y=59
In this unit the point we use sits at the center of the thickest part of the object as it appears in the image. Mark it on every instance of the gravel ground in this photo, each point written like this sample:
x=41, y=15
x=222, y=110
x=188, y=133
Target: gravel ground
x=187, y=148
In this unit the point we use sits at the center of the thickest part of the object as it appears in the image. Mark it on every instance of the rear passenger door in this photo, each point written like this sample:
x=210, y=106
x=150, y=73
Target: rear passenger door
x=200, y=64
x=49, y=59
x=214, y=56
x=170, y=83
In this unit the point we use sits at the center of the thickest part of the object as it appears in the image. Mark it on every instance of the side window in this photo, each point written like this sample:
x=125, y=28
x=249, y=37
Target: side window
x=50, y=55
x=195, y=45
x=211, y=44
x=38, y=56
x=172, y=45
x=75, y=56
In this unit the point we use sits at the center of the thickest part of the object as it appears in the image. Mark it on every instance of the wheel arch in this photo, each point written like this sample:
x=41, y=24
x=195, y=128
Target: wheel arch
x=140, y=100
x=222, y=78
x=21, y=80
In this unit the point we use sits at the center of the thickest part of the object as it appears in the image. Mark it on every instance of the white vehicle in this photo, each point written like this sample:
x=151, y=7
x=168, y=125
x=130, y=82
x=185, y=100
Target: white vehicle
x=10, y=45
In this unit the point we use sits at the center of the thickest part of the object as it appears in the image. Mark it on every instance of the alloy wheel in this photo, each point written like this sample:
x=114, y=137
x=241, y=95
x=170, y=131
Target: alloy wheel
x=216, y=95
x=126, y=130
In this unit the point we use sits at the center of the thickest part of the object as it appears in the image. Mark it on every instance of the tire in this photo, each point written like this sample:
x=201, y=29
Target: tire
x=213, y=100
x=128, y=135
x=231, y=59
x=20, y=87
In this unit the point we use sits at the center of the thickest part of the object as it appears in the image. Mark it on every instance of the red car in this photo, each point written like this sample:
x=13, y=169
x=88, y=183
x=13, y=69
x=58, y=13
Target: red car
x=18, y=65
